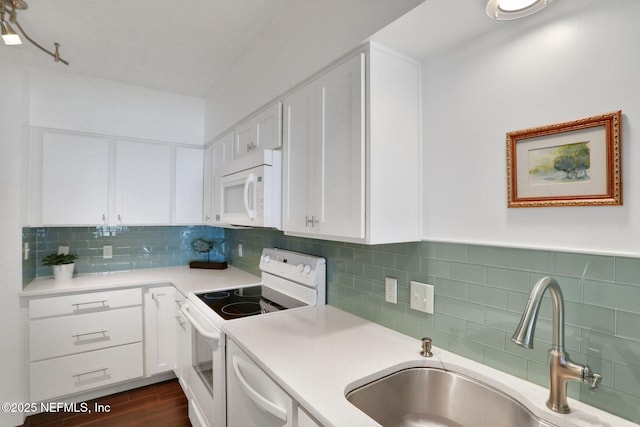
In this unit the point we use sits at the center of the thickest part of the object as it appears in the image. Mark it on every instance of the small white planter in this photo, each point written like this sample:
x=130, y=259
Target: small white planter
x=63, y=271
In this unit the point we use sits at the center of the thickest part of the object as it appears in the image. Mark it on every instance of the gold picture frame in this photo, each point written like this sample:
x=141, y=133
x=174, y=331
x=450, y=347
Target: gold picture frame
x=575, y=163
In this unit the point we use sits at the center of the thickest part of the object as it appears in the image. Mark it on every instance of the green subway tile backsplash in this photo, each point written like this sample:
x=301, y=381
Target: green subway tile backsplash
x=133, y=247
x=480, y=292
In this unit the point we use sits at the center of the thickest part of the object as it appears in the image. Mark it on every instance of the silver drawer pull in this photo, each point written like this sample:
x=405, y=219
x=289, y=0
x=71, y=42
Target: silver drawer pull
x=77, y=336
x=155, y=295
x=103, y=370
x=78, y=304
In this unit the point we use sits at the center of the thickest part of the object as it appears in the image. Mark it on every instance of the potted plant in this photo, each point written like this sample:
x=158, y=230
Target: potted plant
x=202, y=246
x=61, y=264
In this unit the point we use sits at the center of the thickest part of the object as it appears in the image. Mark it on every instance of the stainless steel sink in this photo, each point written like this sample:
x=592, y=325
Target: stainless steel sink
x=435, y=397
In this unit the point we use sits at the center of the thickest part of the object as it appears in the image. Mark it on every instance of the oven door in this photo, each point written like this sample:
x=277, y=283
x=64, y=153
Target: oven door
x=206, y=373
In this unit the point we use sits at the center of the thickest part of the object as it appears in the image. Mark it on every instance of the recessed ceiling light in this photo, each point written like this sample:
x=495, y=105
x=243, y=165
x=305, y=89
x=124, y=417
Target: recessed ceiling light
x=512, y=9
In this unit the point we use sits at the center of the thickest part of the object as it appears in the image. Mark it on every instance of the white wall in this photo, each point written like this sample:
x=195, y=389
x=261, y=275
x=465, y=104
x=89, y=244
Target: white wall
x=577, y=59
x=64, y=100
x=13, y=119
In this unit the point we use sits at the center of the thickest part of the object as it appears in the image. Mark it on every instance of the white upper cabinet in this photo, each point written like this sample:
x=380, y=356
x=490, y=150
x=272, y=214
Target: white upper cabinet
x=189, y=185
x=217, y=156
x=86, y=180
x=351, y=151
x=143, y=183
x=260, y=132
x=324, y=155
x=75, y=180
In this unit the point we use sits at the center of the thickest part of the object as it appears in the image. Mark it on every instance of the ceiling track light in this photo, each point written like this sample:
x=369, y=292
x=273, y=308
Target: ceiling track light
x=502, y=10
x=10, y=37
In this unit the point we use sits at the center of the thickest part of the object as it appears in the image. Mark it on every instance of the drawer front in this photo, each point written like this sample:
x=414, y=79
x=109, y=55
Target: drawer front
x=80, y=372
x=84, y=303
x=61, y=336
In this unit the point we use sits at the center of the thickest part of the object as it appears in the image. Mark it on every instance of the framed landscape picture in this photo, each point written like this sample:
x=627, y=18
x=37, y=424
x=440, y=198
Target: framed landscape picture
x=575, y=163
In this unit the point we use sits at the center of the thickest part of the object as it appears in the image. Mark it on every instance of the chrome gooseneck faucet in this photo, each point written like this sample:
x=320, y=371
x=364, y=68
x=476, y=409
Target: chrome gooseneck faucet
x=561, y=368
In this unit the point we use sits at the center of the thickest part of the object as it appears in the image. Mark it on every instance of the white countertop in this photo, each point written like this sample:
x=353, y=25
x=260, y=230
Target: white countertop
x=185, y=279
x=318, y=354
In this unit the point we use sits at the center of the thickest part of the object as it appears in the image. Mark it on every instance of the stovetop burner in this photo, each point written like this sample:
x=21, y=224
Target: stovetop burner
x=249, y=301
x=242, y=309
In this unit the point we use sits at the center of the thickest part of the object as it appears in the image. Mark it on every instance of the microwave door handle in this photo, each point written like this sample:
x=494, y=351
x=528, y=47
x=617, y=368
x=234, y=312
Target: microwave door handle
x=248, y=197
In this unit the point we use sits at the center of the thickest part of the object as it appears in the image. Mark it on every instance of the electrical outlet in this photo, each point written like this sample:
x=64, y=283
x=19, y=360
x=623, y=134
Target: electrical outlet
x=107, y=252
x=240, y=249
x=63, y=250
x=422, y=297
x=391, y=290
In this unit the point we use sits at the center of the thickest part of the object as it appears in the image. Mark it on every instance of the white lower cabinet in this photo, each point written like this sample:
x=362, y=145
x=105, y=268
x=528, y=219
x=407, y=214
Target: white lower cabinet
x=256, y=400
x=183, y=344
x=84, y=341
x=85, y=371
x=159, y=329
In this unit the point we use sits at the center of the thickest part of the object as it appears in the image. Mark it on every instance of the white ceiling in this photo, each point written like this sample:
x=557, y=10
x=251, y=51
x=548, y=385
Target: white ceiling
x=189, y=46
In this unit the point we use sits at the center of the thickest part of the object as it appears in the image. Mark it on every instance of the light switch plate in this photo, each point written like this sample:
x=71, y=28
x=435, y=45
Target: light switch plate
x=422, y=297
x=391, y=290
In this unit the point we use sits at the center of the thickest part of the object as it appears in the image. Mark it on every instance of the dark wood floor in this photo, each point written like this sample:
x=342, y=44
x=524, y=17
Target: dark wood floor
x=162, y=405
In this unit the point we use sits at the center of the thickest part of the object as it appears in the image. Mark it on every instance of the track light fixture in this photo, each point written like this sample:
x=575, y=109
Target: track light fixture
x=10, y=37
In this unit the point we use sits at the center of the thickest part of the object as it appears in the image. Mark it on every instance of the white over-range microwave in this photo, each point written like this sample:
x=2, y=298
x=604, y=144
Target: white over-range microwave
x=252, y=191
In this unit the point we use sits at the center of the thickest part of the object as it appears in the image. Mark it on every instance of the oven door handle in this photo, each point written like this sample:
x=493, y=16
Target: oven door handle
x=202, y=330
x=259, y=400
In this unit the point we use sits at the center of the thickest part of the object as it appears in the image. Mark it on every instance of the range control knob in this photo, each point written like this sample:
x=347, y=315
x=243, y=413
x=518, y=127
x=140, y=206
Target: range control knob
x=300, y=267
x=307, y=269
x=266, y=259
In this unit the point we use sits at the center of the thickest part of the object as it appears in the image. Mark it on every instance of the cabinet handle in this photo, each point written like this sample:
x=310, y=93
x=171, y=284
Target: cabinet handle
x=78, y=304
x=104, y=219
x=119, y=218
x=103, y=370
x=260, y=401
x=311, y=221
x=155, y=296
x=180, y=321
x=77, y=336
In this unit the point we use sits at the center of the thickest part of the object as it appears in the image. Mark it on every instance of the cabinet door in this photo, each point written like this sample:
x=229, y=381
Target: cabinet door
x=75, y=179
x=341, y=175
x=262, y=132
x=269, y=128
x=160, y=332
x=189, y=185
x=207, y=196
x=144, y=177
x=299, y=159
x=217, y=156
x=246, y=139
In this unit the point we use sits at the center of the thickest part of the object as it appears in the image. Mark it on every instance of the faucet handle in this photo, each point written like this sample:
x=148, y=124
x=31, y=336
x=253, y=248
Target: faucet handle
x=591, y=378
x=426, y=347
x=595, y=382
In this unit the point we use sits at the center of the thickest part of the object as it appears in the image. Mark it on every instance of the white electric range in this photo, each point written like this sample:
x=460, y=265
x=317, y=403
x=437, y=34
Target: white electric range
x=289, y=280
